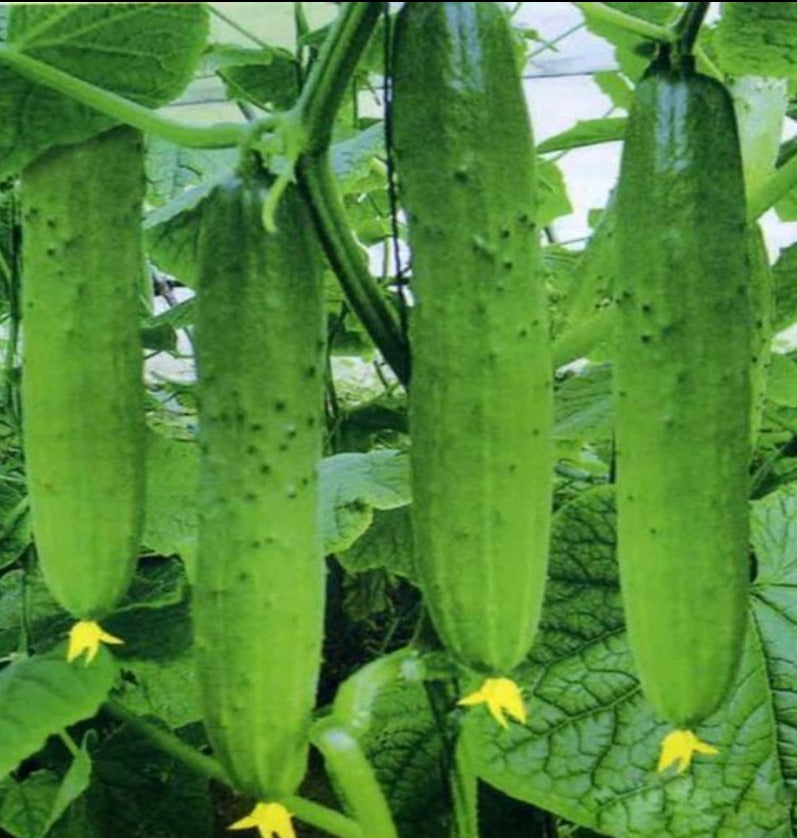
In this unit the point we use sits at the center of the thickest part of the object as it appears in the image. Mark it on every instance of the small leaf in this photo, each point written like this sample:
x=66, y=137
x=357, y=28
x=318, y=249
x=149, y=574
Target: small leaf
x=352, y=485
x=25, y=805
x=551, y=193
x=584, y=133
x=75, y=782
x=386, y=544
x=42, y=695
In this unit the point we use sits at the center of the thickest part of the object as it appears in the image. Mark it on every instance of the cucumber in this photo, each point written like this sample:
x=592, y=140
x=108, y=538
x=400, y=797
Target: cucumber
x=82, y=387
x=683, y=390
x=480, y=400
x=259, y=593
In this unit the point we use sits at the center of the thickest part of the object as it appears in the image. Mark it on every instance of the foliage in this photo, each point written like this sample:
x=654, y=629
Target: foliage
x=118, y=748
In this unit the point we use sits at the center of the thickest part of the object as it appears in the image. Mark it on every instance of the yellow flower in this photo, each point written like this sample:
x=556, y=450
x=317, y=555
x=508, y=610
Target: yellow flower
x=271, y=820
x=679, y=746
x=86, y=636
x=499, y=694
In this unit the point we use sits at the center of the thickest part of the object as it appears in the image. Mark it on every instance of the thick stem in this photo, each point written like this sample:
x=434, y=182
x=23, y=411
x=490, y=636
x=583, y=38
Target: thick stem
x=687, y=27
x=221, y=135
x=332, y=71
x=352, y=772
x=348, y=261
x=608, y=14
x=305, y=810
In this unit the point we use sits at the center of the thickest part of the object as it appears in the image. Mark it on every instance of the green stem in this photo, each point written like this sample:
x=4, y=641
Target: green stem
x=305, y=810
x=332, y=71
x=168, y=743
x=352, y=772
x=464, y=793
x=608, y=14
x=777, y=186
x=363, y=295
x=687, y=27
x=220, y=135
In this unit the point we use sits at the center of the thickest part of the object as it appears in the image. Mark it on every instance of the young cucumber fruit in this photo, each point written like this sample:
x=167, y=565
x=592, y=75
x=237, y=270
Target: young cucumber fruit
x=259, y=593
x=683, y=391
x=480, y=401
x=82, y=388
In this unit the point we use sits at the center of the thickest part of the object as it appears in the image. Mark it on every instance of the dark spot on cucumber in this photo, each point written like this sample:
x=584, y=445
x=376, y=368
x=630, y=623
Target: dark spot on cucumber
x=461, y=174
x=646, y=337
x=291, y=431
x=265, y=469
x=255, y=427
x=280, y=405
x=250, y=497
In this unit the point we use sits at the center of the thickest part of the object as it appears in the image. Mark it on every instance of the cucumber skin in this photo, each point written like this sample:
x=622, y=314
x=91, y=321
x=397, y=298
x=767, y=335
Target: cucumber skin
x=82, y=386
x=481, y=394
x=683, y=392
x=259, y=593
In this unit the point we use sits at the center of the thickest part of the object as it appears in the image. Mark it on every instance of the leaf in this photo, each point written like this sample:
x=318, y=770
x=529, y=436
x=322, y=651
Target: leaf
x=589, y=752
x=551, y=193
x=75, y=782
x=267, y=77
x=25, y=805
x=386, y=544
x=758, y=39
x=352, y=160
x=633, y=52
x=144, y=51
x=171, y=507
x=784, y=289
x=583, y=405
x=171, y=232
x=584, y=133
x=171, y=169
x=782, y=381
x=42, y=695
x=615, y=86
x=352, y=486
x=138, y=790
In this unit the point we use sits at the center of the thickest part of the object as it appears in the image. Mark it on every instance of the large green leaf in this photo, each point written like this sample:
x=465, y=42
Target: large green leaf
x=144, y=51
x=42, y=695
x=758, y=39
x=590, y=748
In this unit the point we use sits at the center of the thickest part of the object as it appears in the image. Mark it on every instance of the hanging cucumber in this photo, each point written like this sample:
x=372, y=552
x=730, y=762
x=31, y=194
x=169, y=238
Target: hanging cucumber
x=259, y=593
x=82, y=389
x=683, y=390
x=480, y=402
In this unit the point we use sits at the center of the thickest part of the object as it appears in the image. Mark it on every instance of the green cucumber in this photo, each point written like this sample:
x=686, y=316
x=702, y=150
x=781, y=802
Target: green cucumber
x=480, y=400
x=259, y=593
x=683, y=390
x=82, y=388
